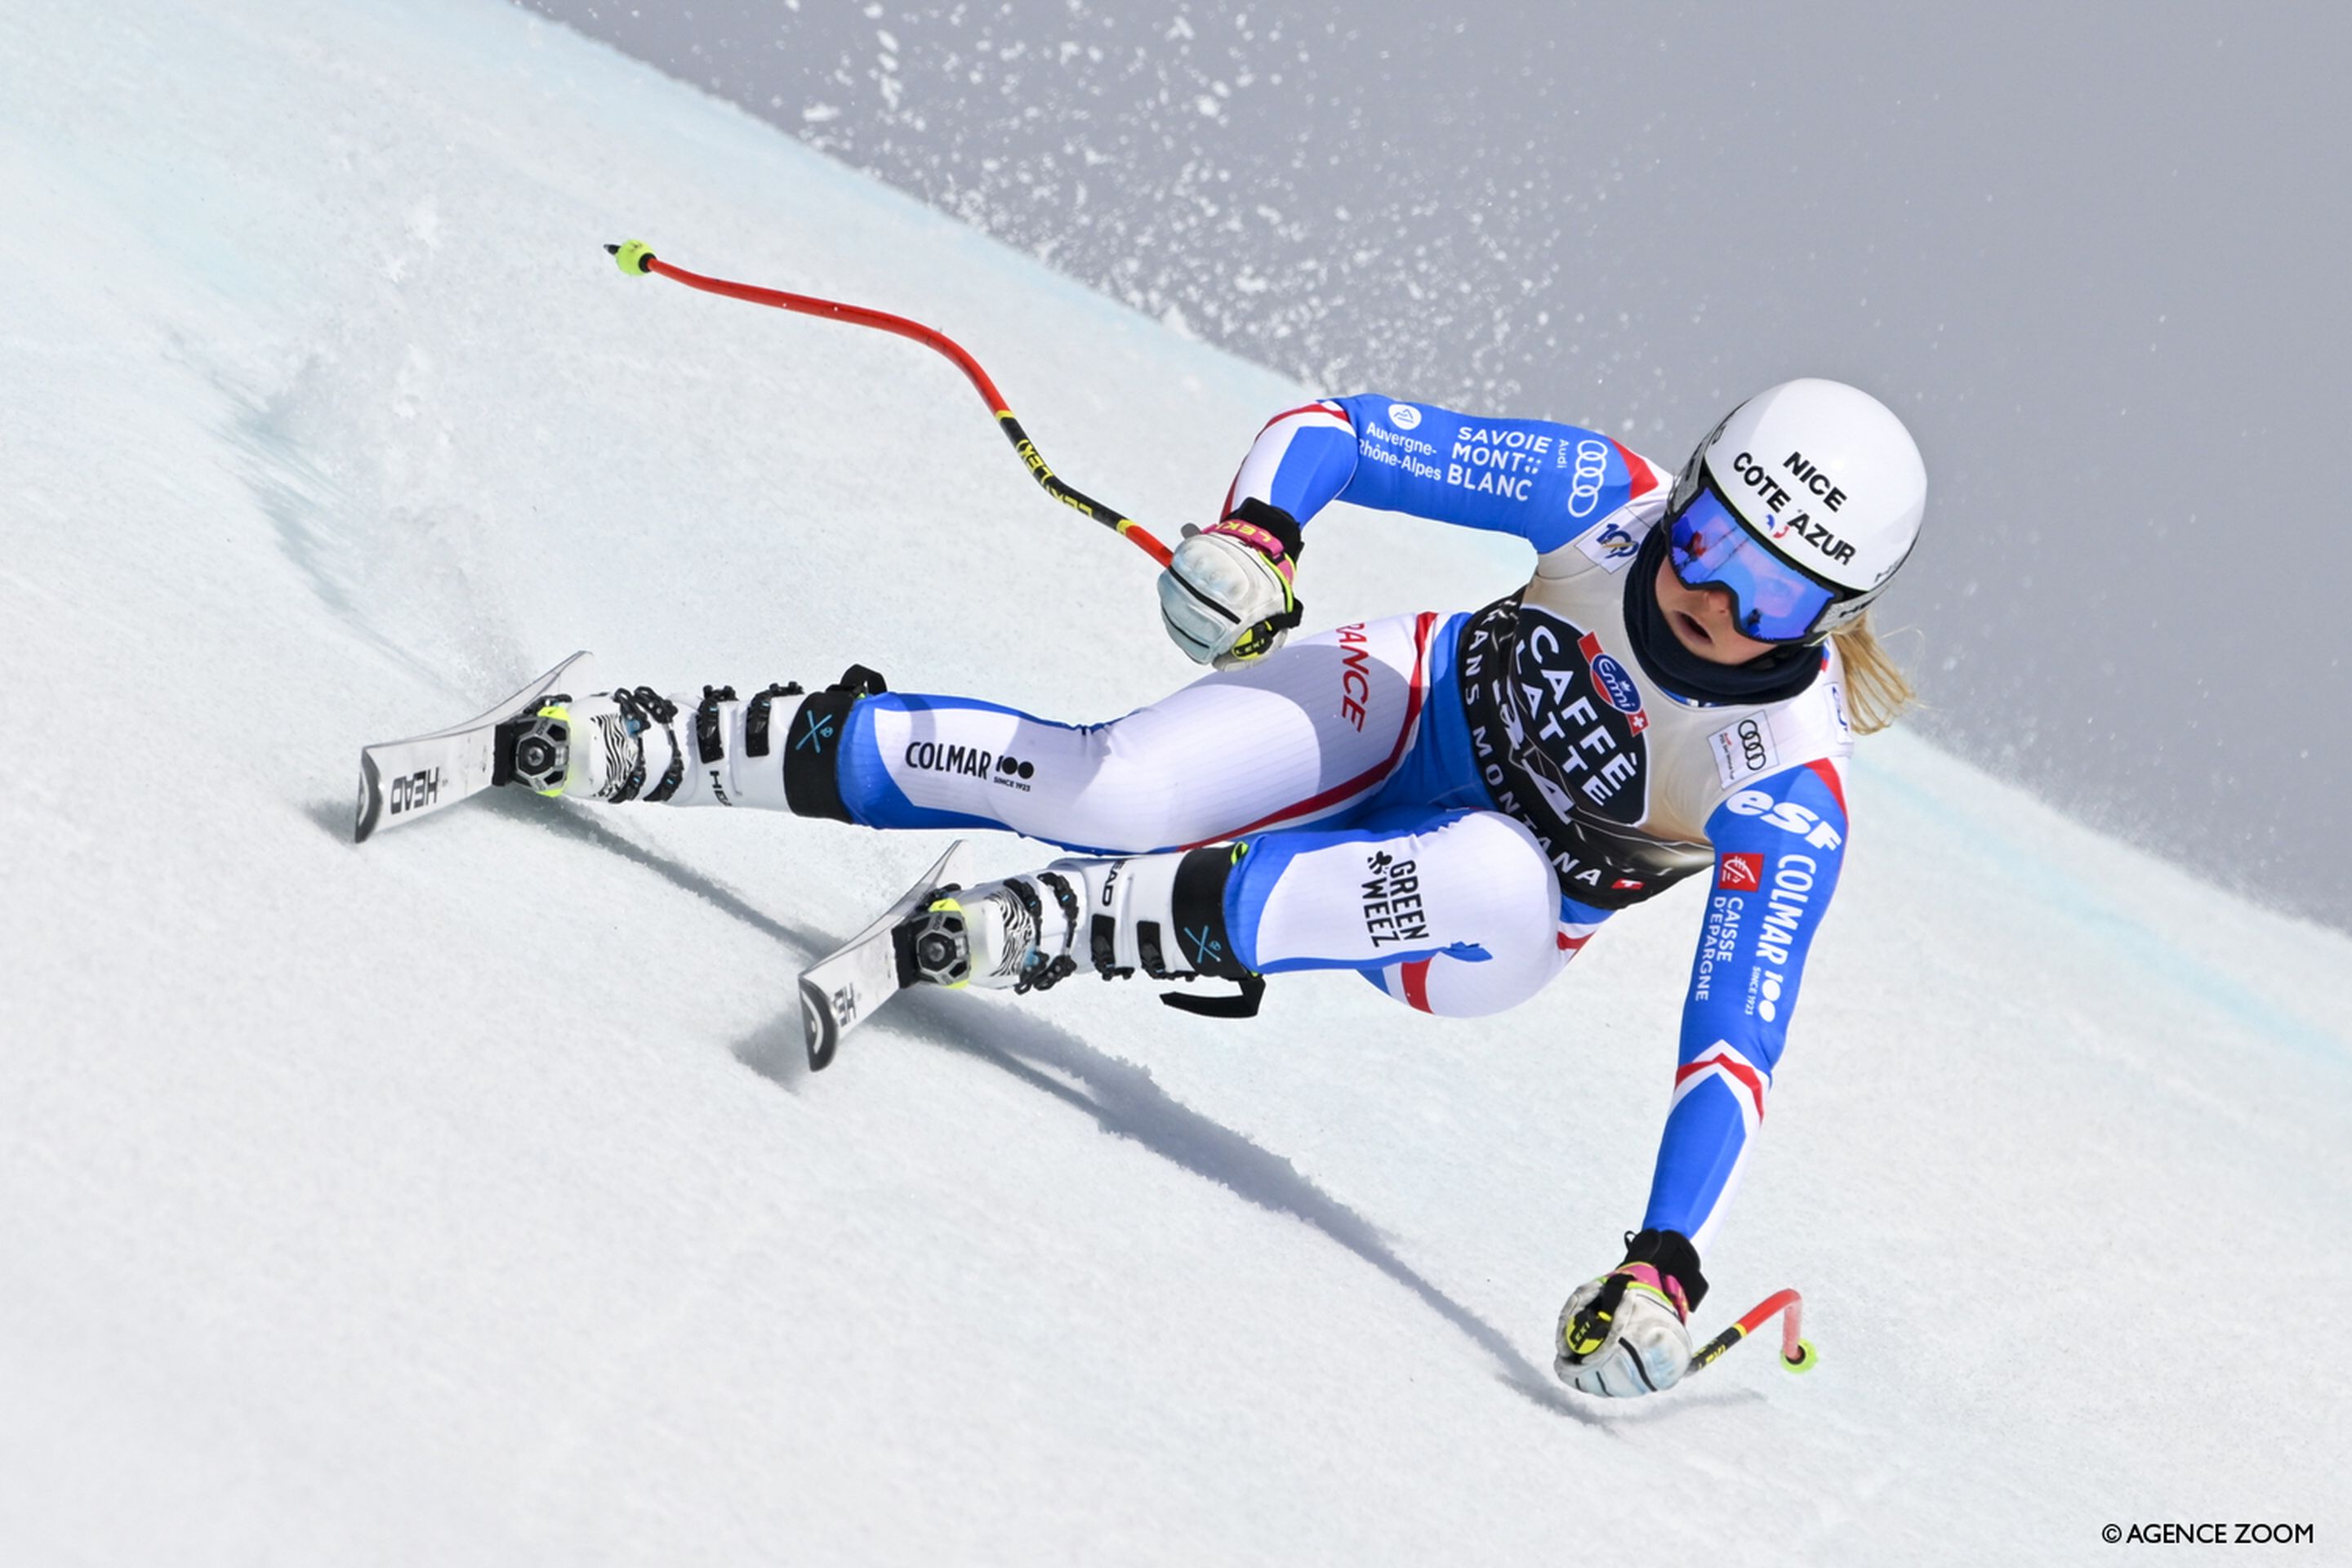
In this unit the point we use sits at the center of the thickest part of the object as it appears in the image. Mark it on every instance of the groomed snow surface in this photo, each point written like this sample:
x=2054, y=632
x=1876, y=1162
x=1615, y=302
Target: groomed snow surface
x=459, y=1199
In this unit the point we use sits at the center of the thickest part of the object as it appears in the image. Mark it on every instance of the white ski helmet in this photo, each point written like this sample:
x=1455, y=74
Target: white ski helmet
x=1802, y=504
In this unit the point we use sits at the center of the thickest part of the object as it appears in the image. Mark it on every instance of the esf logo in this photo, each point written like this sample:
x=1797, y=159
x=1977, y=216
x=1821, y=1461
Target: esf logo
x=1787, y=816
x=1584, y=484
x=414, y=792
x=1615, y=684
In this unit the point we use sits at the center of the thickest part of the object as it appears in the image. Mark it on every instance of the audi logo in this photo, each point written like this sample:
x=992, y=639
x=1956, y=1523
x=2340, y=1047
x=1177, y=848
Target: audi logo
x=1591, y=468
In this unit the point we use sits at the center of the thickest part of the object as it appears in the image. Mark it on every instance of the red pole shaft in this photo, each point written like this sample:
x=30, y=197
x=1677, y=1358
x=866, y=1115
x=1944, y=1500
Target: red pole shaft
x=856, y=315
x=1795, y=1353
x=882, y=320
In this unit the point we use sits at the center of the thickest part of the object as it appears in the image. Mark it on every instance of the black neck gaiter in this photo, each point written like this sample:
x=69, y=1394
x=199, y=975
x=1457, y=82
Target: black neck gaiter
x=1769, y=678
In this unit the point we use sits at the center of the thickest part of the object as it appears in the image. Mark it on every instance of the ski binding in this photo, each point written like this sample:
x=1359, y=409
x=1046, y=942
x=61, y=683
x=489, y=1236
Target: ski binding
x=401, y=781
x=843, y=988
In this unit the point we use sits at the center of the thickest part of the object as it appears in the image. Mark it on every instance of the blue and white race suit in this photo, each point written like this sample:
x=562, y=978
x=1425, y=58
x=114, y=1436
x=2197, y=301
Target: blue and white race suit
x=1452, y=805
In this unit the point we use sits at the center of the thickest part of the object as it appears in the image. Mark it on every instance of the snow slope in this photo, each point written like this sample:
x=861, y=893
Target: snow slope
x=460, y=1200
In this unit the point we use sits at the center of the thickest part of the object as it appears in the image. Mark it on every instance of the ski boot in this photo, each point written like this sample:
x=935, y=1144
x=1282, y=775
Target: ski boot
x=596, y=748
x=995, y=936
x=775, y=749
x=1162, y=914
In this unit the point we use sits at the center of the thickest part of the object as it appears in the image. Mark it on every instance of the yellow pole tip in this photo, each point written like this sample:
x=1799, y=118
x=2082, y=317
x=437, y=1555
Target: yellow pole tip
x=1807, y=1359
x=634, y=256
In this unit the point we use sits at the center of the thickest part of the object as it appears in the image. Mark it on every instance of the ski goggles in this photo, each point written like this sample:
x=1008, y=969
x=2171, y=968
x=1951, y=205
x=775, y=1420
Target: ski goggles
x=1775, y=599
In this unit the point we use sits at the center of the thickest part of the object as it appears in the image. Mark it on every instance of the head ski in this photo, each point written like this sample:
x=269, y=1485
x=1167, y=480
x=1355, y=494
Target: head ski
x=841, y=990
x=401, y=781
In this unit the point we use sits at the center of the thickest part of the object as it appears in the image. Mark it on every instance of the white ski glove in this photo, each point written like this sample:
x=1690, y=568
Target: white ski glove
x=1226, y=597
x=1621, y=1335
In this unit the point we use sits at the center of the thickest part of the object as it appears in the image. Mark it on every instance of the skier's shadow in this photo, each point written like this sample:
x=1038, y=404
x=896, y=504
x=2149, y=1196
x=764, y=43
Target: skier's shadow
x=1121, y=1096
x=1124, y=1100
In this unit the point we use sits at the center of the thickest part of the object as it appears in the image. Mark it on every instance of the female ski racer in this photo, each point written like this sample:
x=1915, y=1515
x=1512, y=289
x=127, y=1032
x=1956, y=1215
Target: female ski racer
x=1450, y=804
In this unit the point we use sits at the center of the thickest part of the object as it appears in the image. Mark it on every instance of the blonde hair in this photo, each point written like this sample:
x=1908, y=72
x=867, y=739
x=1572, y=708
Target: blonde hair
x=1876, y=689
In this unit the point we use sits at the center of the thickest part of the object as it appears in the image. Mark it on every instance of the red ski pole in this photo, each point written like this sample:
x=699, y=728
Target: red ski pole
x=1797, y=1354
x=637, y=260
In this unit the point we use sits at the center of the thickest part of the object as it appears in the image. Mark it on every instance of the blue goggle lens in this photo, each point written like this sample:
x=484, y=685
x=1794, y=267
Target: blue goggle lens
x=1711, y=547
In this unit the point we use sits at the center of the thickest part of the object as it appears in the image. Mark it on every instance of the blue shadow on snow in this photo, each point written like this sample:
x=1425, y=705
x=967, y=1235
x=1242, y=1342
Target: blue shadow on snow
x=1121, y=1096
